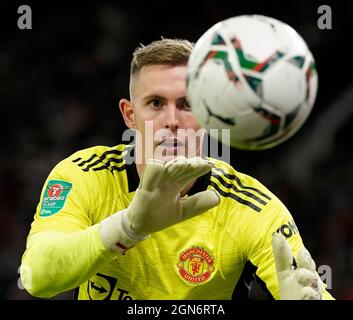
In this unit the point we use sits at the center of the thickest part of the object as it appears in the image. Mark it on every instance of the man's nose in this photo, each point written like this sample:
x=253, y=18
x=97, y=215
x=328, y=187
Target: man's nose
x=172, y=122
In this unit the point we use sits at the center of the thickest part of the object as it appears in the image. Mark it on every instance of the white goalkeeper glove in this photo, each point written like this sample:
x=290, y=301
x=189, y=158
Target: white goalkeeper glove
x=157, y=203
x=295, y=283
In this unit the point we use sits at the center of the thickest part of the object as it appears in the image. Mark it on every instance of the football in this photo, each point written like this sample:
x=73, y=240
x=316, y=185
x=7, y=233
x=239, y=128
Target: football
x=254, y=75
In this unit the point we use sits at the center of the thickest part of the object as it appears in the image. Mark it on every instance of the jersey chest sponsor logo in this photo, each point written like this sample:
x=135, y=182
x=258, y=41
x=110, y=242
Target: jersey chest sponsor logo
x=55, y=196
x=195, y=265
x=104, y=287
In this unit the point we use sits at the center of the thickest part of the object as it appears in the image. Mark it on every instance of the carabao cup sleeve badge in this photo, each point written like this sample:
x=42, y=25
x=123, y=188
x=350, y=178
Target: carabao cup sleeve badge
x=54, y=198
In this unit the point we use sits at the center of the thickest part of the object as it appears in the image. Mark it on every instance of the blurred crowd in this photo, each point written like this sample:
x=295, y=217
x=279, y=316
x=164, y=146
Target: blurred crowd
x=60, y=84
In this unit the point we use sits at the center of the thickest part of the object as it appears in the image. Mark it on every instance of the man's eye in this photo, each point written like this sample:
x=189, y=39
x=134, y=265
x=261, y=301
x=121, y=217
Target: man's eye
x=155, y=103
x=185, y=105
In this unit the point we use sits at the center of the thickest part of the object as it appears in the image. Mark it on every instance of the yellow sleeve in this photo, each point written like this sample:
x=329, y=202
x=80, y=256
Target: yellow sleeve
x=63, y=248
x=56, y=262
x=257, y=240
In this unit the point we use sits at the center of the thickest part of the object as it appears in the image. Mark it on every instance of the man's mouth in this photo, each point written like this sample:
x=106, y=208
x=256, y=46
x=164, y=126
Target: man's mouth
x=174, y=143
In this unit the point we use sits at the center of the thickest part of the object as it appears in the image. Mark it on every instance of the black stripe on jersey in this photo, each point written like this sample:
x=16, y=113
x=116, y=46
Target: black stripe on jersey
x=235, y=189
x=242, y=290
x=104, y=165
x=111, y=168
x=87, y=161
x=132, y=176
x=102, y=157
x=234, y=177
x=234, y=197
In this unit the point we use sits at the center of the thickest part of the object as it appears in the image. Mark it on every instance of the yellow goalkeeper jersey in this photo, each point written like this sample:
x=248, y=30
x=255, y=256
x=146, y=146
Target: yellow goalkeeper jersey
x=215, y=255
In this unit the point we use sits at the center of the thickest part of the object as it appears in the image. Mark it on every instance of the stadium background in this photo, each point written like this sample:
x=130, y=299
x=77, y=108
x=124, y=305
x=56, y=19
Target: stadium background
x=60, y=84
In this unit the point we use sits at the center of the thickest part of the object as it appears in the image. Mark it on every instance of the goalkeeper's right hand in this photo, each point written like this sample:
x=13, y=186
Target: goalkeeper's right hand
x=157, y=203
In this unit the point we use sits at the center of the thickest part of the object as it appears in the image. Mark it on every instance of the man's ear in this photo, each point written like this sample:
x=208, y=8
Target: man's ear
x=127, y=112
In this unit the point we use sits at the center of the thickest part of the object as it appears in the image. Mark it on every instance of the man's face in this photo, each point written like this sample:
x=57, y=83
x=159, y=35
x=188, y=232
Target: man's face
x=161, y=113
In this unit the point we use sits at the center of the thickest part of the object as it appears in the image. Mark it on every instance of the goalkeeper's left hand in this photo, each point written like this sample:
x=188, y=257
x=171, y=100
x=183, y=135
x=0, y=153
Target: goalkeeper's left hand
x=299, y=282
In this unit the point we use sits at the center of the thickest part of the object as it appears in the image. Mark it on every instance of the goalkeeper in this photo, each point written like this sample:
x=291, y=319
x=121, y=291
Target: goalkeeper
x=170, y=227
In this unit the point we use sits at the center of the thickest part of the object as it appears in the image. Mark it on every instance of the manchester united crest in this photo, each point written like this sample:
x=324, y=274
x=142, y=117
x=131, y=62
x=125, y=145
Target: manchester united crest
x=195, y=265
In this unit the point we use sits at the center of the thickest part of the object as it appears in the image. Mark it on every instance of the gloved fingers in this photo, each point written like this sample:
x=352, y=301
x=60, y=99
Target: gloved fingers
x=307, y=278
x=177, y=160
x=282, y=253
x=309, y=293
x=199, y=202
x=304, y=260
x=193, y=172
x=182, y=170
x=174, y=168
x=183, y=161
x=200, y=166
x=151, y=174
x=155, y=161
x=179, y=170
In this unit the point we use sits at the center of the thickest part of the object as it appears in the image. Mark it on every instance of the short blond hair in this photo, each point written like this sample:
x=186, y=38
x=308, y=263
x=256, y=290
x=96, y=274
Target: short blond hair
x=164, y=51
x=172, y=52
